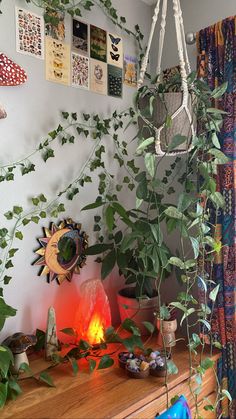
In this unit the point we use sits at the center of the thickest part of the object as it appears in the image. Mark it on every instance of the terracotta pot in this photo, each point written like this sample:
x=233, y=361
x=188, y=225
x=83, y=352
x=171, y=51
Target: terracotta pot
x=167, y=338
x=138, y=310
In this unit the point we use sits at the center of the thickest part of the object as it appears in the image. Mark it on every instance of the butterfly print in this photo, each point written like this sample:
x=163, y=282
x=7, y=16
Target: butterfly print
x=114, y=40
x=114, y=48
x=115, y=56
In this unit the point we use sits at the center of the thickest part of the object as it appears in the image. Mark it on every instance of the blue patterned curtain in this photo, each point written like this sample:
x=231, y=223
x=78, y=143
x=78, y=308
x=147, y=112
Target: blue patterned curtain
x=217, y=64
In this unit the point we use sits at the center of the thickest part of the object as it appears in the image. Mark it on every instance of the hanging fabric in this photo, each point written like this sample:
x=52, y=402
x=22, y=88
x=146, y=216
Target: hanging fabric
x=178, y=104
x=216, y=65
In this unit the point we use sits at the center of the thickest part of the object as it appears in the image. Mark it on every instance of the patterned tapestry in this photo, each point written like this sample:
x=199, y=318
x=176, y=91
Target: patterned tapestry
x=217, y=64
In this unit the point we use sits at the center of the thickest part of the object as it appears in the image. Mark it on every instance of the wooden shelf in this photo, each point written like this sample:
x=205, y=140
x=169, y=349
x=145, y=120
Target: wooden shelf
x=103, y=394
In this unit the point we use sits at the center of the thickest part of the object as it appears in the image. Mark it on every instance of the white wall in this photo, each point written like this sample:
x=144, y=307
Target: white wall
x=33, y=110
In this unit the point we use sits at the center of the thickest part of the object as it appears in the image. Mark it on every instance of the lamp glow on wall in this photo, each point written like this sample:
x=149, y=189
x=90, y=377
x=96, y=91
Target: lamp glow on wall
x=93, y=315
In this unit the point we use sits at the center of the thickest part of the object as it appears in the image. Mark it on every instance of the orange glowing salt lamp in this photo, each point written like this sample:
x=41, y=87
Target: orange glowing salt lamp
x=93, y=315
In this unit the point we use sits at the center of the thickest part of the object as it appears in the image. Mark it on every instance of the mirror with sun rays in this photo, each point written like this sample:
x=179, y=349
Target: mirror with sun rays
x=62, y=251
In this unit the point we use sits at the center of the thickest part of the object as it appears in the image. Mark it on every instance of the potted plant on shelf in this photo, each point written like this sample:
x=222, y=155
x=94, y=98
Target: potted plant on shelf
x=140, y=254
x=166, y=326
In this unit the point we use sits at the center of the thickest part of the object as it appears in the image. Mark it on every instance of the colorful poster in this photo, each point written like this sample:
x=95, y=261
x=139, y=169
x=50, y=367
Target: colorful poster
x=57, y=61
x=79, y=71
x=114, y=50
x=98, y=77
x=55, y=28
x=98, y=43
x=114, y=81
x=29, y=33
x=80, y=37
x=130, y=70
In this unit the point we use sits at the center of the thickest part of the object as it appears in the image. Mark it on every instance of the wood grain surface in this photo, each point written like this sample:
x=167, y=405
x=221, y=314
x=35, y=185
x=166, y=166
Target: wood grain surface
x=104, y=394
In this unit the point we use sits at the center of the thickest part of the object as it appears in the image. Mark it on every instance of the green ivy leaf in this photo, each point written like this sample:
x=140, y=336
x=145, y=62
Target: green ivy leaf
x=12, y=252
x=8, y=215
x=19, y=235
x=6, y=279
x=17, y=210
x=35, y=219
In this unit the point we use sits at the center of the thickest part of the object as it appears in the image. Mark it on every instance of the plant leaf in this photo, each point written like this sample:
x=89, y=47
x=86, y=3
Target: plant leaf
x=108, y=263
x=46, y=378
x=106, y=362
x=176, y=141
x=213, y=294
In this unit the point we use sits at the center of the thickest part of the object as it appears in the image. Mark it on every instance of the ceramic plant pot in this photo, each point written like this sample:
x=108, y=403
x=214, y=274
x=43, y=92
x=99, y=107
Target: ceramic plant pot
x=167, y=337
x=138, y=310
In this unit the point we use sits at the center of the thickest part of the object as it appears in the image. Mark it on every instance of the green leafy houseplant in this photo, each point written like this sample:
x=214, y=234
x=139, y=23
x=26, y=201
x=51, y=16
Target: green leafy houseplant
x=138, y=248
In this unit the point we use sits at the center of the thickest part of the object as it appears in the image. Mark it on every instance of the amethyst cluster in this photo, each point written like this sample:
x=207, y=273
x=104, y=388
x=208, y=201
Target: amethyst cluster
x=157, y=362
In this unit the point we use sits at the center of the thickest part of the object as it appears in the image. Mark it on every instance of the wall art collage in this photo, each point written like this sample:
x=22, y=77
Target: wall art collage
x=94, y=60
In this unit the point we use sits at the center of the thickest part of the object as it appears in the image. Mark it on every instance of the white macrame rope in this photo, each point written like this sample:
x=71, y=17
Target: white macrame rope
x=161, y=37
x=183, y=37
x=185, y=68
x=145, y=59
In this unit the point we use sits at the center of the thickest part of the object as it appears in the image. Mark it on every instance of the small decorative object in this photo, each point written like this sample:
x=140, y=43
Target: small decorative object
x=11, y=74
x=166, y=336
x=62, y=251
x=93, y=314
x=123, y=357
x=136, y=368
x=157, y=364
x=18, y=344
x=51, y=343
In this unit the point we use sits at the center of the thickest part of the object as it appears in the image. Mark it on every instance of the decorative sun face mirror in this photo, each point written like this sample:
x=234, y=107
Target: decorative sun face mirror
x=62, y=251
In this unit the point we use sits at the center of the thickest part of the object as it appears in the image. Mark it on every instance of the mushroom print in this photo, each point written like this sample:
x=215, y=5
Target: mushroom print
x=11, y=74
x=18, y=344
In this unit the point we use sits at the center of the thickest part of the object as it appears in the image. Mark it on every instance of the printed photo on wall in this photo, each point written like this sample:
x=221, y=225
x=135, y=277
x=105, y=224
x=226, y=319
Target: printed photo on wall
x=55, y=28
x=130, y=70
x=80, y=36
x=79, y=71
x=57, y=61
x=98, y=43
x=98, y=77
x=29, y=33
x=114, y=50
x=114, y=81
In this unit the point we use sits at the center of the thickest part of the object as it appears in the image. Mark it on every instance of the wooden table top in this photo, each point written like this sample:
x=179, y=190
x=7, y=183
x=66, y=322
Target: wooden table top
x=103, y=394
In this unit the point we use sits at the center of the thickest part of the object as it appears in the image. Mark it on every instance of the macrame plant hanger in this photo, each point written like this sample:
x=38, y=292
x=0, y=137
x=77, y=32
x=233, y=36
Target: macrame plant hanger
x=185, y=70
